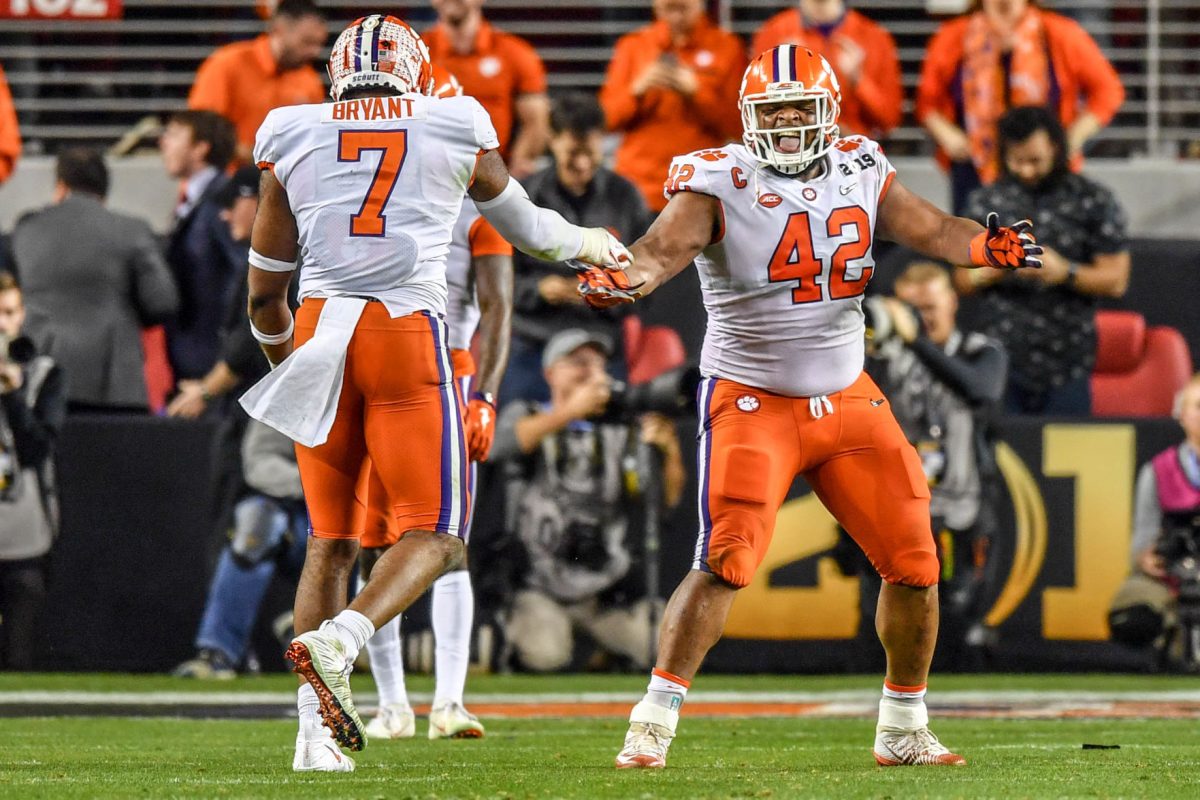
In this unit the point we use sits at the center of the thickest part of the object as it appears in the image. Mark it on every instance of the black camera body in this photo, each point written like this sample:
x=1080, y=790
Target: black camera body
x=1179, y=547
x=19, y=350
x=671, y=393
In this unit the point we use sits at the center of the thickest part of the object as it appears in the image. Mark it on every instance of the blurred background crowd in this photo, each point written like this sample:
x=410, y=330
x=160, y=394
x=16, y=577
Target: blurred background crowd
x=134, y=308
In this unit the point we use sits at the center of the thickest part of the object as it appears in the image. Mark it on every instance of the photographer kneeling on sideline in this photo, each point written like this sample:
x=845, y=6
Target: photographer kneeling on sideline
x=942, y=384
x=1160, y=602
x=572, y=468
x=33, y=402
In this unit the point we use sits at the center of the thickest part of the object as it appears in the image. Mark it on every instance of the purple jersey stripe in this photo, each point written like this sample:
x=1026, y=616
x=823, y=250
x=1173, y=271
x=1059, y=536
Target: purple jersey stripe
x=443, y=522
x=704, y=402
x=464, y=530
x=464, y=461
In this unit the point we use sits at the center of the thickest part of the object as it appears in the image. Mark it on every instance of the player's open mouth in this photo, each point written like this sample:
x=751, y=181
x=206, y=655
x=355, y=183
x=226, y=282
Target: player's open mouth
x=787, y=143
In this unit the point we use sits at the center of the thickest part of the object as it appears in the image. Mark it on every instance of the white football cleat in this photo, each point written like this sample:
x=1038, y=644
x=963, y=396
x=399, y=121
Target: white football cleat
x=320, y=754
x=394, y=721
x=896, y=748
x=450, y=720
x=320, y=658
x=651, y=729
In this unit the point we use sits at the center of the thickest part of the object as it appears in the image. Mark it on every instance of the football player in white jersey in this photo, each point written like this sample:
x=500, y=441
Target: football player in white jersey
x=781, y=228
x=479, y=272
x=367, y=189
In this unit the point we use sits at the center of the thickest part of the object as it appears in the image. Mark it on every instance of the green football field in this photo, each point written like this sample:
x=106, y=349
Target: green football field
x=52, y=750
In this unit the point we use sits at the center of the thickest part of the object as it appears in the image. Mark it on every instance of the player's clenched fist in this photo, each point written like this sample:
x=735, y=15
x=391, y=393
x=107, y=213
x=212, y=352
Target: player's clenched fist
x=605, y=288
x=481, y=426
x=1007, y=248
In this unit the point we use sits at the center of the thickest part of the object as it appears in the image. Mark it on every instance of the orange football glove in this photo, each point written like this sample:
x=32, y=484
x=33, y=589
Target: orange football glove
x=1006, y=248
x=605, y=288
x=481, y=426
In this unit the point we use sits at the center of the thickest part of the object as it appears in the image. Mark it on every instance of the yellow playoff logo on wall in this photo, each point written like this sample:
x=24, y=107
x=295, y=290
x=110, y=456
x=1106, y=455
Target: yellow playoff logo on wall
x=1099, y=459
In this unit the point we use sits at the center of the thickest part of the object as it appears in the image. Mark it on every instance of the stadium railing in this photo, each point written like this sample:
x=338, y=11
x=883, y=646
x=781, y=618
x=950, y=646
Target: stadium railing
x=89, y=81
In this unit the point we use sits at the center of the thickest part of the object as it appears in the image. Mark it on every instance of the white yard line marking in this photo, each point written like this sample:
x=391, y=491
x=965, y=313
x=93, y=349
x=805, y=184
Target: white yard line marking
x=835, y=701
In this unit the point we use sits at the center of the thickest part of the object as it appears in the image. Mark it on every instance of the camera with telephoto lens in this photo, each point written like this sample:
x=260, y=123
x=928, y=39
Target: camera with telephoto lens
x=878, y=320
x=671, y=393
x=1179, y=547
x=18, y=350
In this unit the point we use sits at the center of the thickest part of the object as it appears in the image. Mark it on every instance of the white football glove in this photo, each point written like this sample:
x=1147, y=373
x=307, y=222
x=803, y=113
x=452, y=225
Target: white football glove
x=601, y=249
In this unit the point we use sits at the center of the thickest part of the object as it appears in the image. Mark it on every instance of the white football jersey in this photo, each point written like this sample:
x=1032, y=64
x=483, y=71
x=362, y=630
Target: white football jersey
x=462, y=310
x=784, y=277
x=376, y=185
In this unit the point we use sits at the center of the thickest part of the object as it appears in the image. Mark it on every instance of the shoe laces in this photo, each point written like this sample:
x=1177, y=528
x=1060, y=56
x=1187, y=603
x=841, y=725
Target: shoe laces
x=921, y=741
x=648, y=737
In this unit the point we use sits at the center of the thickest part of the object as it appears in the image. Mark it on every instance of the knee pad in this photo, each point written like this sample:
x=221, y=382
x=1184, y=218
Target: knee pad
x=732, y=555
x=915, y=568
x=735, y=565
x=259, y=526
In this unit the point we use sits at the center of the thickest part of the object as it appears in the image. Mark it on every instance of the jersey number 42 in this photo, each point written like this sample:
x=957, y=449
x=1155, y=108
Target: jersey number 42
x=794, y=259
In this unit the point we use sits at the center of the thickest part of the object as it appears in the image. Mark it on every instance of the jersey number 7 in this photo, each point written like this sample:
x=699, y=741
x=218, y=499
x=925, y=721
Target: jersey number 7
x=393, y=147
x=794, y=259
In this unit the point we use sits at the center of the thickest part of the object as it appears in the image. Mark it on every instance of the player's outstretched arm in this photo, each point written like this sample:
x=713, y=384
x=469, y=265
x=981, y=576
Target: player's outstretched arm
x=914, y=222
x=274, y=246
x=684, y=228
x=538, y=231
x=494, y=285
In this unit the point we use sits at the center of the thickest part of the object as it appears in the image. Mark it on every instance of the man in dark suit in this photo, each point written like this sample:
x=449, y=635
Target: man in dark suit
x=92, y=279
x=196, y=147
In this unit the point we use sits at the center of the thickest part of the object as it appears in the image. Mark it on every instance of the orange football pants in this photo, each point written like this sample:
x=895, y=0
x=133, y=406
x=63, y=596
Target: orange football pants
x=380, y=527
x=400, y=414
x=850, y=449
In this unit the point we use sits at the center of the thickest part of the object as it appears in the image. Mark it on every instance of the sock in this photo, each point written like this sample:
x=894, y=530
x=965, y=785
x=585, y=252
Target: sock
x=309, y=709
x=453, y=614
x=666, y=690
x=352, y=628
x=903, y=707
x=387, y=664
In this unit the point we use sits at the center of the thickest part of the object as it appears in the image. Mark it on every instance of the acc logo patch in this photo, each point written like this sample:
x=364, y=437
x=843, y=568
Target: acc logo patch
x=769, y=199
x=748, y=403
x=809, y=193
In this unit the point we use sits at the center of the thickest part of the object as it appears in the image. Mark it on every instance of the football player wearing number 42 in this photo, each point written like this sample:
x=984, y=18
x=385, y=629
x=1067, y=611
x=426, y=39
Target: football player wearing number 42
x=371, y=186
x=781, y=227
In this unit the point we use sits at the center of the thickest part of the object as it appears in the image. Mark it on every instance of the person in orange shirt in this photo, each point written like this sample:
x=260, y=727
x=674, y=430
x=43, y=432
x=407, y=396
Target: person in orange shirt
x=244, y=80
x=502, y=71
x=10, y=133
x=1003, y=54
x=862, y=52
x=670, y=89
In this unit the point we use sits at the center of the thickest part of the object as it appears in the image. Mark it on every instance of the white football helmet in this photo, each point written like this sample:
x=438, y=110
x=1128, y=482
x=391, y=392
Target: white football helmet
x=790, y=73
x=379, y=50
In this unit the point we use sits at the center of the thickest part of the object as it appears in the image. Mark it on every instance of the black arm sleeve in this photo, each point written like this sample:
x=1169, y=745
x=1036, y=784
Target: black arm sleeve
x=36, y=429
x=980, y=377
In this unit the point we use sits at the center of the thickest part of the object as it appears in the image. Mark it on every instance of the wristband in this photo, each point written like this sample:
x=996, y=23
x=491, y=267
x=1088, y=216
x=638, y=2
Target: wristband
x=486, y=397
x=1072, y=274
x=274, y=338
